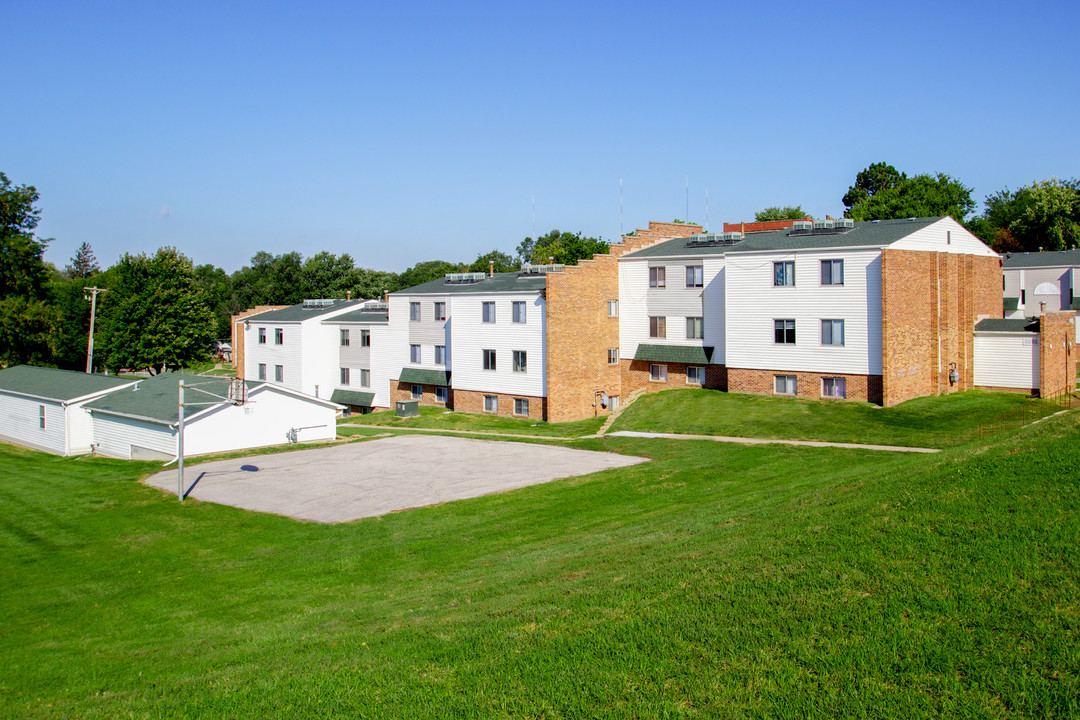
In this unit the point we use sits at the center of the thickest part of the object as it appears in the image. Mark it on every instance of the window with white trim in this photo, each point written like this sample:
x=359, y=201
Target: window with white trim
x=365, y=378
x=262, y=336
x=489, y=359
x=440, y=311
x=414, y=353
x=41, y=417
x=279, y=336
x=521, y=406
x=613, y=308
x=279, y=373
x=518, y=308
x=657, y=277
x=344, y=376
x=784, y=384
x=440, y=354
x=657, y=327
x=365, y=338
x=695, y=276
x=784, y=332
x=414, y=312
x=441, y=395
x=417, y=392
x=695, y=328
x=521, y=361
x=832, y=332
x=487, y=312
x=658, y=373
x=613, y=356
x=344, y=337
x=491, y=403
x=262, y=371
x=695, y=375
x=834, y=387
x=784, y=273
x=832, y=272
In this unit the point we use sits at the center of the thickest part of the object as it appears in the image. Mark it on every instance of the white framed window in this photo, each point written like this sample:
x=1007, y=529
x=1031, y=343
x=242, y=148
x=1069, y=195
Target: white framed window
x=658, y=373
x=784, y=384
x=262, y=336
x=784, y=332
x=521, y=406
x=613, y=403
x=365, y=378
x=489, y=359
x=695, y=375
x=784, y=273
x=414, y=312
x=832, y=332
x=440, y=354
x=344, y=337
x=613, y=308
x=834, y=387
x=262, y=371
x=279, y=373
x=417, y=392
x=518, y=311
x=695, y=328
x=365, y=338
x=414, y=353
x=279, y=336
x=521, y=361
x=441, y=395
x=41, y=417
x=440, y=311
x=488, y=312
x=613, y=356
x=491, y=403
x=832, y=272
x=695, y=276
x=657, y=327
x=344, y=376
x=657, y=277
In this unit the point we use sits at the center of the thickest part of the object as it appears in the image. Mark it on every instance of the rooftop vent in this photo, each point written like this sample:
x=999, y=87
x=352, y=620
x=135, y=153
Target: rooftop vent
x=529, y=269
x=802, y=225
x=464, y=278
x=844, y=223
x=727, y=238
x=824, y=224
x=319, y=303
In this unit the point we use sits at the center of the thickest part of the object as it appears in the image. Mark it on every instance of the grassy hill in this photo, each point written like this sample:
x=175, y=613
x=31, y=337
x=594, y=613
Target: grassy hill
x=716, y=581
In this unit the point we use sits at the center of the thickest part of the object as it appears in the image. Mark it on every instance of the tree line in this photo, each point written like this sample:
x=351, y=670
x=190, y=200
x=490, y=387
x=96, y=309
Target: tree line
x=161, y=310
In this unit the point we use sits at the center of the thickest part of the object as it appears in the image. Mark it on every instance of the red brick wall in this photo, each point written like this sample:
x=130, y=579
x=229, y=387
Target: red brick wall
x=635, y=376
x=1057, y=356
x=767, y=226
x=403, y=391
x=866, y=388
x=473, y=401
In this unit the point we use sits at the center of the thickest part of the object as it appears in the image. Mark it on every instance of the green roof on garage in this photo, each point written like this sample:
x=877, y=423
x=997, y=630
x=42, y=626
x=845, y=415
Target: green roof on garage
x=674, y=354
x=439, y=378
x=156, y=399
x=58, y=385
x=353, y=397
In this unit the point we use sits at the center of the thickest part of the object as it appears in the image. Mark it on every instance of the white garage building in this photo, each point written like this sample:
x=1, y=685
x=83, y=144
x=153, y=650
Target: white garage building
x=42, y=408
x=141, y=422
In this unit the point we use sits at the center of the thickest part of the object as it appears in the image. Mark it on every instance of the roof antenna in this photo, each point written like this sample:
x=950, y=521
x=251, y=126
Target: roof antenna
x=687, y=215
x=706, y=208
x=620, y=207
x=534, y=213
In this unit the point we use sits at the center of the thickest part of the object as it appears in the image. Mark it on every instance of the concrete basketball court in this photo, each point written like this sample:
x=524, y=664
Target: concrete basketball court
x=367, y=479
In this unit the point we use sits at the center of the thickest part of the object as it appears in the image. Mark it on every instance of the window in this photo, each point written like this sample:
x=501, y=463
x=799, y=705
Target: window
x=279, y=373
x=491, y=403
x=262, y=371
x=613, y=356
x=41, y=416
x=441, y=395
x=262, y=336
x=695, y=375
x=784, y=332
x=613, y=403
x=440, y=311
x=657, y=277
x=344, y=338
x=488, y=309
x=414, y=311
x=417, y=392
x=489, y=359
x=344, y=376
x=784, y=273
x=613, y=308
x=658, y=373
x=834, y=387
x=784, y=384
x=695, y=278
x=695, y=328
x=365, y=378
x=519, y=311
x=440, y=354
x=365, y=338
x=832, y=272
x=521, y=406
x=520, y=361
x=832, y=332
x=414, y=353
x=1023, y=298
x=657, y=327
x=279, y=336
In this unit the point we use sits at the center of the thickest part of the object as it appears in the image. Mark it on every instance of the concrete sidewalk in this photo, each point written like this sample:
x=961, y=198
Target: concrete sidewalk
x=768, y=441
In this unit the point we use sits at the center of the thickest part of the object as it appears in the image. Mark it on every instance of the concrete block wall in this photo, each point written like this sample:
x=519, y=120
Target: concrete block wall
x=1057, y=353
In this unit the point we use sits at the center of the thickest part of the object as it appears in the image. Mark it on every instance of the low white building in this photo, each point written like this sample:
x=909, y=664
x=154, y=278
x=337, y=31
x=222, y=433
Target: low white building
x=42, y=408
x=142, y=421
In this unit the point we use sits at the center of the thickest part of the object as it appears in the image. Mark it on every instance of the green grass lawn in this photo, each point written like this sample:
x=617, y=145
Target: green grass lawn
x=716, y=581
x=441, y=419
x=943, y=421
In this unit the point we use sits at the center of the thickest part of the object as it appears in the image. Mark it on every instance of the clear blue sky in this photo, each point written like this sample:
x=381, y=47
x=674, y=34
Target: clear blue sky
x=400, y=132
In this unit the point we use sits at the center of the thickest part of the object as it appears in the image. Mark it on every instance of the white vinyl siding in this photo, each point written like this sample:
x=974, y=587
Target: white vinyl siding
x=945, y=235
x=1008, y=360
x=470, y=335
x=20, y=422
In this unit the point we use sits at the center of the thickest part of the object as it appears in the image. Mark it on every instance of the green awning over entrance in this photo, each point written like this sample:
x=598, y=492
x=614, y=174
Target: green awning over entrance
x=352, y=397
x=688, y=355
x=419, y=376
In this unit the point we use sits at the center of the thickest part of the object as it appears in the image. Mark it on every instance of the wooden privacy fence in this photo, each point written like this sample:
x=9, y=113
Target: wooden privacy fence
x=1031, y=411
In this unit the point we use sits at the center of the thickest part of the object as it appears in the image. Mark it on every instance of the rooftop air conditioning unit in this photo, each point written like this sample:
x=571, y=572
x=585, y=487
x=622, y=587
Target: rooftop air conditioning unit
x=802, y=225
x=824, y=225
x=731, y=236
x=844, y=223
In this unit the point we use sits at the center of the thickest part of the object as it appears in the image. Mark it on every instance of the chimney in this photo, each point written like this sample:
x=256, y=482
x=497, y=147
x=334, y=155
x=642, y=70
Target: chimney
x=1042, y=308
x=386, y=296
x=491, y=268
x=348, y=295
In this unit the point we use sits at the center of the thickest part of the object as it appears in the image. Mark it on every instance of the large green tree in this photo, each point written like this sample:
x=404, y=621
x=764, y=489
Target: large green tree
x=156, y=313
x=426, y=271
x=559, y=247
x=1045, y=214
x=869, y=182
x=918, y=196
x=788, y=212
x=502, y=262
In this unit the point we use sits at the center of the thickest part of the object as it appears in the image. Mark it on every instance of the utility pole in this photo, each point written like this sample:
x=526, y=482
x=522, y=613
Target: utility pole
x=92, y=297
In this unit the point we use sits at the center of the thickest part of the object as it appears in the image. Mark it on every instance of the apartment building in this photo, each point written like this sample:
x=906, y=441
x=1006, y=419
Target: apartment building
x=364, y=357
x=1040, y=282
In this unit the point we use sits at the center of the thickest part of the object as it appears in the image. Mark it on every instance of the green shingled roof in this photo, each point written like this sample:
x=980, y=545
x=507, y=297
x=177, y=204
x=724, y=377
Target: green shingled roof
x=157, y=398
x=1028, y=325
x=1057, y=258
x=499, y=283
x=298, y=313
x=53, y=384
x=1010, y=304
x=353, y=397
x=674, y=354
x=370, y=316
x=419, y=376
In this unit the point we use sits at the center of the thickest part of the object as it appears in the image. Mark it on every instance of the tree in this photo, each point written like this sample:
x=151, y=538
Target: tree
x=426, y=271
x=869, y=182
x=919, y=196
x=369, y=283
x=155, y=313
x=1045, y=214
x=503, y=262
x=788, y=212
x=218, y=287
x=559, y=247
x=84, y=264
x=269, y=280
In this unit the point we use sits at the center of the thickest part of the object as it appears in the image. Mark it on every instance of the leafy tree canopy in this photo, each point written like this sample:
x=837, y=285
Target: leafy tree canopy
x=788, y=212
x=559, y=247
x=919, y=196
x=426, y=271
x=84, y=264
x=1045, y=214
x=23, y=270
x=502, y=261
x=869, y=182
